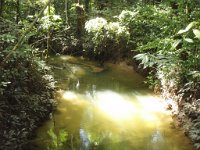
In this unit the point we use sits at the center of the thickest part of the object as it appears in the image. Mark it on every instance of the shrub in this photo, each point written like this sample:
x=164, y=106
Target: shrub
x=177, y=60
x=108, y=39
x=26, y=91
x=148, y=23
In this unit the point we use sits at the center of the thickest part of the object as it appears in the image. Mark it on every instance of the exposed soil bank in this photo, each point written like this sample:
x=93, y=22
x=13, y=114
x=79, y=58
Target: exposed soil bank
x=186, y=114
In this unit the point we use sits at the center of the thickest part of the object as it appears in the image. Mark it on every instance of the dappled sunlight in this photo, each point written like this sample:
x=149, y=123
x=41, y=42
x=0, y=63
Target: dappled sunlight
x=148, y=117
x=71, y=66
x=75, y=99
x=151, y=103
x=135, y=112
x=119, y=107
x=114, y=105
x=75, y=72
x=69, y=95
x=68, y=58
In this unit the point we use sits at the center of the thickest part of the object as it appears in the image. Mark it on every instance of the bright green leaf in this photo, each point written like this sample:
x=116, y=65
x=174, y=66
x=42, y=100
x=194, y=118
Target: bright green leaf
x=188, y=40
x=190, y=26
x=176, y=43
x=187, y=28
x=197, y=33
x=181, y=31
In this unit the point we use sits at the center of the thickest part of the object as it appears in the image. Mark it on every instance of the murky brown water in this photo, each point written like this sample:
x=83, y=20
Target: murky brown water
x=107, y=109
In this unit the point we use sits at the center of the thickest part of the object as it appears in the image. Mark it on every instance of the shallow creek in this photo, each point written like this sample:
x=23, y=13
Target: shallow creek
x=106, y=109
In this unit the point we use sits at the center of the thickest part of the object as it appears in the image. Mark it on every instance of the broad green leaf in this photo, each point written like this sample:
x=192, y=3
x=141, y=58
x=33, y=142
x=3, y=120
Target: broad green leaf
x=139, y=56
x=187, y=28
x=181, y=31
x=176, y=43
x=190, y=25
x=145, y=59
x=195, y=74
x=188, y=40
x=197, y=33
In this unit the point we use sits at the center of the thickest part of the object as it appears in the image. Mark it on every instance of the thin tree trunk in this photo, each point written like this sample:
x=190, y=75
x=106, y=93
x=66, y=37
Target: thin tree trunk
x=80, y=20
x=17, y=11
x=1, y=7
x=80, y=24
x=48, y=32
x=66, y=12
x=188, y=10
x=87, y=4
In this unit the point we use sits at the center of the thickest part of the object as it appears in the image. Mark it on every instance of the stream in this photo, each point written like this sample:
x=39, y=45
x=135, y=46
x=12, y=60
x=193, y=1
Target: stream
x=106, y=109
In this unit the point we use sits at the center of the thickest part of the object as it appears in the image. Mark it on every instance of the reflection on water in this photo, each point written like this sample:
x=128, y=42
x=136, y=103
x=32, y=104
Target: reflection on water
x=107, y=109
x=114, y=105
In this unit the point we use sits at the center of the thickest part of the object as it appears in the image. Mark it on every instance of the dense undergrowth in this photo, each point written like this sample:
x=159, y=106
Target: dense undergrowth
x=26, y=90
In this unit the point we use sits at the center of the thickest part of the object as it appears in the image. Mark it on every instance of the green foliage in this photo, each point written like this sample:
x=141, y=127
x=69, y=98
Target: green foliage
x=95, y=25
x=57, y=140
x=160, y=43
x=7, y=38
x=107, y=38
x=152, y=32
x=51, y=22
x=195, y=134
x=26, y=98
x=177, y=56
x=172, y=54
x=147, y=23
x=26, y=89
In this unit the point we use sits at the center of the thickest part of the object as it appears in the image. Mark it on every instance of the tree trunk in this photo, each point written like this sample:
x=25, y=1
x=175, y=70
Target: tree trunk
x=17, y=11
x=1, y=7
x=87, y=4
x=48, y=32
x=66, y=13
x=80, y=20
x=80, y=25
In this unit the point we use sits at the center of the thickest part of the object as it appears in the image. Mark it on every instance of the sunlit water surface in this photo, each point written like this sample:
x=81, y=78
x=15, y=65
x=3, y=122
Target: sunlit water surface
x=106, y=109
